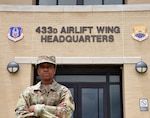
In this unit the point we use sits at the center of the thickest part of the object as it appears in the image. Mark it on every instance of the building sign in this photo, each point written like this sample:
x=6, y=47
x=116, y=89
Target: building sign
x=143, y=104
x=15, y=33
x=139, y=33
x=75, y=34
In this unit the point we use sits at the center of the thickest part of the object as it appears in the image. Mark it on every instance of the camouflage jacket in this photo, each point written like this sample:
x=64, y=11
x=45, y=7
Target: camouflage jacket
x=57, y=102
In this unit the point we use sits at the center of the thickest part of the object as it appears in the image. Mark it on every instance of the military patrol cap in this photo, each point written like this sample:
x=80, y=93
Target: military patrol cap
x=47, y=59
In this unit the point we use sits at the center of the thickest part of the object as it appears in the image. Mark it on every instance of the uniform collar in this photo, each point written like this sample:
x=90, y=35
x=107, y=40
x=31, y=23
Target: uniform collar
x=54, y=86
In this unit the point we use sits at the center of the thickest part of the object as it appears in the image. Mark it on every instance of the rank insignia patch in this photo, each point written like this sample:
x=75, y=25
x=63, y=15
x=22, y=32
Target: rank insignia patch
x=139, y=33
x=15, y=34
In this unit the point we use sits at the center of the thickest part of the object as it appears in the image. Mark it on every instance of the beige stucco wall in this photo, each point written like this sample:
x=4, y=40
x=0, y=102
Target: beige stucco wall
x=135, y=86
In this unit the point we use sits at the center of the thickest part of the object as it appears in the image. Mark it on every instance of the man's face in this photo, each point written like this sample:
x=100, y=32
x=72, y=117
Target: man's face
x=46, y=71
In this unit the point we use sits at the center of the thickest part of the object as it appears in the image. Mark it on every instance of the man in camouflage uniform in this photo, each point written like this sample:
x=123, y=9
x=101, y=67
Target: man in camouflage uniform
x=46, y=99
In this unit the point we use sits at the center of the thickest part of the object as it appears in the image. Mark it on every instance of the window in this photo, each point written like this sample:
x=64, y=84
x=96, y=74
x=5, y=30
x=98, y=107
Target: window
x=79, y=2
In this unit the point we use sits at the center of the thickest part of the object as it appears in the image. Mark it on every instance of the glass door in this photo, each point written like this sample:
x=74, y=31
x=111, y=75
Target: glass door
x=92, y=101
x=89, y=94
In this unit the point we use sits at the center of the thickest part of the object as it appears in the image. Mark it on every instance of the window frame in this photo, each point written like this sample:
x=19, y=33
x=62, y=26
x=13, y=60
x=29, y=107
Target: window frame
x=81, y=2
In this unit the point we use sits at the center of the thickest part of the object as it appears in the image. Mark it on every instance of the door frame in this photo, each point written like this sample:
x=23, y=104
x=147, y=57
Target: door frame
x=89, y=70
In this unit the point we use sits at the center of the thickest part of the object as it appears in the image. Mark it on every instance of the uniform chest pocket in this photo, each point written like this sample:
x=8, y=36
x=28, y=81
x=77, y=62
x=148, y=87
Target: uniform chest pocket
x=53, y=98
x=37, y=98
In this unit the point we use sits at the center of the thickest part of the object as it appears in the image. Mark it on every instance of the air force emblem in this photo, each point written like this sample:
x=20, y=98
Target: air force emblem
x=140, y=33
x=15, y=34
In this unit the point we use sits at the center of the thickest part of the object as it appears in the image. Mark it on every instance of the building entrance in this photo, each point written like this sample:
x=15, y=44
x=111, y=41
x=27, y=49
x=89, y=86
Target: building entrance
x=97, y=89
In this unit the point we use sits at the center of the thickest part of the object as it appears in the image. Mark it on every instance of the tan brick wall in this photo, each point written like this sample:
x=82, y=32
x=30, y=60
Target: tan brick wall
x=138, y=1
x=18, y=2
x=135, y=86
